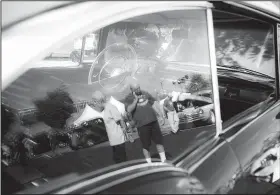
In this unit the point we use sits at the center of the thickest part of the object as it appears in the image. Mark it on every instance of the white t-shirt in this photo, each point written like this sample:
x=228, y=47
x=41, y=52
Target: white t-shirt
x=111, y=116
x=120, y=106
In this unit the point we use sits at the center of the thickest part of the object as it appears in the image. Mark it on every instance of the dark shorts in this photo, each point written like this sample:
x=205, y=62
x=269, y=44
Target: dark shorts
x=148, y=133
x=119, y=153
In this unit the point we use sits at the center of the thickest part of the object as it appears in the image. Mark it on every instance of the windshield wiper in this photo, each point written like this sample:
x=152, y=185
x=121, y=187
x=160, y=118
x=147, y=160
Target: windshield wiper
x=245, y=70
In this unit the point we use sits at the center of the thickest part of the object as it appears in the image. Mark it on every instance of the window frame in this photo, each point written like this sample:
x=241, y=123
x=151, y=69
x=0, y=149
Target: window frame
x=214, y=73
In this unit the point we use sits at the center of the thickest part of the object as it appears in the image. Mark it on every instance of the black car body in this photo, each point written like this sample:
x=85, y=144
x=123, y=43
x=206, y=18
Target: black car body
x=231, y=156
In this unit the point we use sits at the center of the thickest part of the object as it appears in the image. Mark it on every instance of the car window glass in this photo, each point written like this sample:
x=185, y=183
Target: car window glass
x=141, y=95
x=245, y=62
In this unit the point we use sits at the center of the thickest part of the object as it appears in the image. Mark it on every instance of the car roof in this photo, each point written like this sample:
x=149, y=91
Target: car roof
x=13, y=11
x=270, y=7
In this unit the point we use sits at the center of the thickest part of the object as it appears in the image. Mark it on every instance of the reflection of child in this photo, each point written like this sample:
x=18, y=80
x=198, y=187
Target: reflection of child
x=172, y=116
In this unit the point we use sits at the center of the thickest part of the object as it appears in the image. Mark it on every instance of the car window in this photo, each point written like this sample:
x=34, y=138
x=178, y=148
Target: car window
x=245, y=61
x=132, y=98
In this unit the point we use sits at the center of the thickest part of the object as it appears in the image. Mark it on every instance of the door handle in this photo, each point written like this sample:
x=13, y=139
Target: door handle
x=278, y=116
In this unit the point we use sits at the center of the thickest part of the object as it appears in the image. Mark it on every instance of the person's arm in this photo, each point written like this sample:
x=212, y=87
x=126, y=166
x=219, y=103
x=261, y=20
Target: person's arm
x=157, y=108
x=149, y=97
x=132, y=106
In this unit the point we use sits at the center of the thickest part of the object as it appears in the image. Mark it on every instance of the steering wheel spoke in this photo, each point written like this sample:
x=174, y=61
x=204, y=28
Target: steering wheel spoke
x=116, y=66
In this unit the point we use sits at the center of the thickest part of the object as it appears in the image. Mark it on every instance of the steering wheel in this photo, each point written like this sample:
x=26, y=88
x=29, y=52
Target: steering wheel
x=125, y=68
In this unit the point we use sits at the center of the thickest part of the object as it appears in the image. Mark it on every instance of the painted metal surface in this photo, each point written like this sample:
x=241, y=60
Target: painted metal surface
x=223, y=164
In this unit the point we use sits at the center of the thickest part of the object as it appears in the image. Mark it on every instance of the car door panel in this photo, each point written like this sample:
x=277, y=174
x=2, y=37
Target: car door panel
x=252, y=144
x=216, y=166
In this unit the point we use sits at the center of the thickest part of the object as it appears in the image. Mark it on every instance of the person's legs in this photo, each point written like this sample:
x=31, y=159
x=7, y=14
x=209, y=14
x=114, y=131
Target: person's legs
x=172, y=122
x=119, y=153
x=176, y=120
x=157, y=138
x=145, y=138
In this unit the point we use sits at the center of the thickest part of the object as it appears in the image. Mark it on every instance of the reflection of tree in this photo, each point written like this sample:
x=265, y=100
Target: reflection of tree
x=197, y=83
x=55, y=108
x=250, y=37
x=147, y=39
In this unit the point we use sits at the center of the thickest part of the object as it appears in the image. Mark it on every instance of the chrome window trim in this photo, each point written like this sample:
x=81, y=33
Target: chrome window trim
x=278, y=47
x=110, y=174
x=214, y=74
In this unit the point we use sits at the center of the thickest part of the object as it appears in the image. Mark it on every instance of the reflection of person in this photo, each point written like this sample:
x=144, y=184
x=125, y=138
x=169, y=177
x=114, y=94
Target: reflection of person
x=146, y=121
x=114, y=124
x=172, y=116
